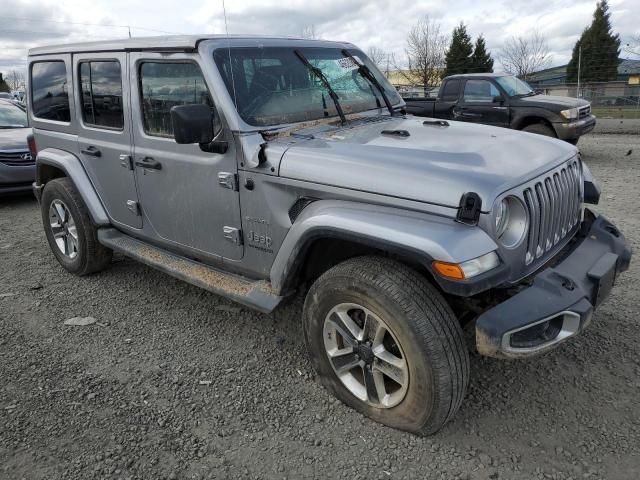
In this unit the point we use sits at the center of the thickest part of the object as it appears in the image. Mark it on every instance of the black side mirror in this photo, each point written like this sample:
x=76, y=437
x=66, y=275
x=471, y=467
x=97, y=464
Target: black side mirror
x=496, y=99
x=192, y=123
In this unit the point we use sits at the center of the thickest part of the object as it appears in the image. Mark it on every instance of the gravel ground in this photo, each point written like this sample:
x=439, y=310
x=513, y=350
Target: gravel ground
x=177, y=383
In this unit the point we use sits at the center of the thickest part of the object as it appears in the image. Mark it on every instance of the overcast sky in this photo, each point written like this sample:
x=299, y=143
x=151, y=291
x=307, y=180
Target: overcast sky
x=383, y=23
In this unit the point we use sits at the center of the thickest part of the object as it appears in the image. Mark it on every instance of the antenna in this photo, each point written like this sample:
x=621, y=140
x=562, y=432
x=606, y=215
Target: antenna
x=233, y=82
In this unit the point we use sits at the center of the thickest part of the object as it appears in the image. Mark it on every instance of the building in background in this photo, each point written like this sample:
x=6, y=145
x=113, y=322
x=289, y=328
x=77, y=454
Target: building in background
x=623, y=92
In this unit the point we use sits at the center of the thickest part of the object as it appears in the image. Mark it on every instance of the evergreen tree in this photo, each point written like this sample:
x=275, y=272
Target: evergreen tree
x=600, y=50
x=3, y=85
x=458, y=57
x=481, y=59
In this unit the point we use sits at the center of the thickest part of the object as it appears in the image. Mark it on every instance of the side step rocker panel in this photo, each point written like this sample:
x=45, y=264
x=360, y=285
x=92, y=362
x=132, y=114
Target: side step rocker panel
x=256, y=294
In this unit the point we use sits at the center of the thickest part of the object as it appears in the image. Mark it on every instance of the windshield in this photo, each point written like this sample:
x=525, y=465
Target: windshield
x=11, y=116
x=272, y=86
x=514, y=86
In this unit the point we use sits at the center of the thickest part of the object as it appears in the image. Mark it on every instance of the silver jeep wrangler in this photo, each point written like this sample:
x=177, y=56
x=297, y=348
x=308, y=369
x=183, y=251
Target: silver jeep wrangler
x=258, y=167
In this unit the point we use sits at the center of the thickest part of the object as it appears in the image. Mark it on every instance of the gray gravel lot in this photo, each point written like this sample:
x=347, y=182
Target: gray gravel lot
x=174, y=382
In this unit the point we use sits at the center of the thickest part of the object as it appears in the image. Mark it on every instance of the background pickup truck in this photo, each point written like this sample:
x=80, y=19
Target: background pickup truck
x=506, y=101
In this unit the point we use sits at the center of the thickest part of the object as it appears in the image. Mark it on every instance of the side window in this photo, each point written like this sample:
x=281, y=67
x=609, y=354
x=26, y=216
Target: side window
x=101, y=94
x=49, y=91
x=164, y=85
x=481, y=91
x=451, y=90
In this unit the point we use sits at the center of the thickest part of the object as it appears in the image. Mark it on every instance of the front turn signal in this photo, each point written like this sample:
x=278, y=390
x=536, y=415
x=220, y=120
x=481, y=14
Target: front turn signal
x=449, y=270
x=468, y=269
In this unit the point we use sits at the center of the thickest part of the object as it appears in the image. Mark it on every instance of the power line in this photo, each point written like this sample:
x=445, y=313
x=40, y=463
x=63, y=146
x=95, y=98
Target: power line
x=90, y=24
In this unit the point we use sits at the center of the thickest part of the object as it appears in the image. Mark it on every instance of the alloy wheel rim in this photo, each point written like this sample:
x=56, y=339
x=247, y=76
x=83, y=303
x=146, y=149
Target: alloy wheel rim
x=365, y=355
x=63, y=228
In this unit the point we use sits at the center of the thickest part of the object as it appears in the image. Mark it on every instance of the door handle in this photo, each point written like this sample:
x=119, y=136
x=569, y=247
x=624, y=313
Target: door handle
x=92, y=151
x=148, y=162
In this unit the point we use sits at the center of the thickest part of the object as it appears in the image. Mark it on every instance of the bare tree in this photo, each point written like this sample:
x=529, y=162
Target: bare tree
x=632, y=47
x=309, y=31
x=425, y=50
x=377, y=56
x=523, y=55
x=15, y=80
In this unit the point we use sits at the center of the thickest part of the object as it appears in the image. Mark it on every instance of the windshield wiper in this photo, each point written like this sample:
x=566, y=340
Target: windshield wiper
x=368, y=74
x=318, y=73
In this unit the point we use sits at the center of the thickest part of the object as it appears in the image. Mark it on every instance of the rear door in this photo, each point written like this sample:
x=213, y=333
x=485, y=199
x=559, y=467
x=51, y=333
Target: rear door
x=445, y=107
x=104, y=133
x=478, y=104
x=189, y=197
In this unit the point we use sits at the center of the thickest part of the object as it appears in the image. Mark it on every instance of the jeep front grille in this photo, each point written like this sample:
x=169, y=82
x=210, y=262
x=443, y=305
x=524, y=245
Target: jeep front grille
x=554, y=204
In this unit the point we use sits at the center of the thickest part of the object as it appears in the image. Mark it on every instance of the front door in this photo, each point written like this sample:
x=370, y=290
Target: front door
x=104, y=133
x=182, y=196
x=478, y=104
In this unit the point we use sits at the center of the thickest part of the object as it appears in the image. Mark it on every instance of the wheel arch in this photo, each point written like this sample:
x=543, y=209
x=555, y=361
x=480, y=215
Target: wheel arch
x=53, y=163
x=330, y=231
x=527, y=120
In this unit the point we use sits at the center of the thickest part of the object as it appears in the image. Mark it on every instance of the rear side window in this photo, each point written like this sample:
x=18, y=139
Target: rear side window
x=49, y=91
x=101, y=94
x=164, y=85
x=451, y=90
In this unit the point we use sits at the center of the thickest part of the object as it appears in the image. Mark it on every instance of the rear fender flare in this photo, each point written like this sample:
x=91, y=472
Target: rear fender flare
x=419, y=236
x=72, y=167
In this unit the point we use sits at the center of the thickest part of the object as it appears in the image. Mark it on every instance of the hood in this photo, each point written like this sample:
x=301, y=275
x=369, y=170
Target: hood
x=546, y=101
x=14, y=138
x=433, y=164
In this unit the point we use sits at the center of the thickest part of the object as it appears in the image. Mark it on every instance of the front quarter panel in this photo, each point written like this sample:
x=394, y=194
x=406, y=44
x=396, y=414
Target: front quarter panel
x=423, y=237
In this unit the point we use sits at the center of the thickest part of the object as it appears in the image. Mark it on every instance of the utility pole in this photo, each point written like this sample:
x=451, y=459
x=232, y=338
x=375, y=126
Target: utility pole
x=579, y=62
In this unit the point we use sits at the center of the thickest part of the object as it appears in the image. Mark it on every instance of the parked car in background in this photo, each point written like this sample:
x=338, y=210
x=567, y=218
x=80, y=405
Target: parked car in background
x=17, y=163
x=506, y=101
x=255, y=167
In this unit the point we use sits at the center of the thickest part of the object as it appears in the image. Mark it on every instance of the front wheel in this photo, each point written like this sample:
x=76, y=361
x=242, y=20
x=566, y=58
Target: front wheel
x=384, y=341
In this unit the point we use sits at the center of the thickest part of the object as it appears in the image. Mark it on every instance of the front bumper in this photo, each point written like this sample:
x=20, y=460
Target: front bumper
x=16, y=179
x=574, y=130
x=560, y=300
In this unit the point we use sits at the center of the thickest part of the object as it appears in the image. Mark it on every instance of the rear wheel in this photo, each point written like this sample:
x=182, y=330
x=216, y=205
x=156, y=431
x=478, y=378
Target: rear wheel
x=384, y=341
x=540, y=129
x=70, y=233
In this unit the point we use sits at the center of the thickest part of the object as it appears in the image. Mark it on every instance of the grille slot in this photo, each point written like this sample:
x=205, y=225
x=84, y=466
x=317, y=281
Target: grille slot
x=553, y=204
x=584, y=111
x=15, y=159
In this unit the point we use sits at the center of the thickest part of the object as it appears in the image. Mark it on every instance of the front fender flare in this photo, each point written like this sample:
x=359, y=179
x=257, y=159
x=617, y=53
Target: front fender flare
x=72, y=167
x=423, y=237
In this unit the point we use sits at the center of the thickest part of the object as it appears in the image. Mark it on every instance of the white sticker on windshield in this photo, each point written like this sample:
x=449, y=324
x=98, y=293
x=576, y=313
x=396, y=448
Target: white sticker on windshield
x=347, y=64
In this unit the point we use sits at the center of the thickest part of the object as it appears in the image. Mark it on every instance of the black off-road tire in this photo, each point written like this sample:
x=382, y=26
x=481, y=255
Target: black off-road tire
x=540, y=129
x=430, y=337
x=91, y=255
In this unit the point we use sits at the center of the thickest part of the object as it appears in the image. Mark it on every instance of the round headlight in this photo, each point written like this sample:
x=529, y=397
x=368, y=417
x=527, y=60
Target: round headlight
x=502, y=216
x=511, y=222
